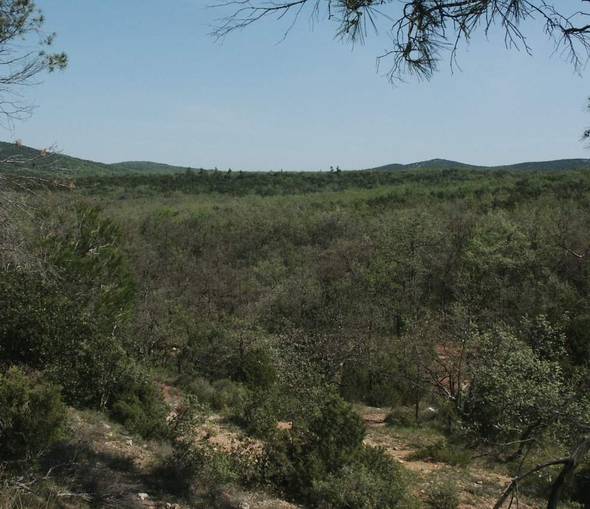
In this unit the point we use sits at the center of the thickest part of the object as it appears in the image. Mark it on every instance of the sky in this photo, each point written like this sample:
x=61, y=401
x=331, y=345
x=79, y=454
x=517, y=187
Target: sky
x=146, y=81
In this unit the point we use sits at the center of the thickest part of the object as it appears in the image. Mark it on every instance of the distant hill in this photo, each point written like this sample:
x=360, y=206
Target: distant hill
x=557, y=165
x=22, y=158
x=445, y=164
x=147, y=167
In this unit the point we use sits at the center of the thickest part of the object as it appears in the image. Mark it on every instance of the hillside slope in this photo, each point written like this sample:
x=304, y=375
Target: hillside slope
x=149, y=167
x=445, y=164
x=22, y=158
x=19, y=157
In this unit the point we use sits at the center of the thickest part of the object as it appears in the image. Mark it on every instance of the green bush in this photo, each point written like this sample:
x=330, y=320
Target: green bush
x=224, y=395
x=67, y=322
x=259, y=417
x=443, y=452
x=402, y=416
x=199, y=387
x=370, y=384
x=256, y=369
x=32, y=414
x=194, y=467
x=314, y=448
x=138, y=405
x=229, y=396
x=371, y=481
x=443, y=495
x=515, y=393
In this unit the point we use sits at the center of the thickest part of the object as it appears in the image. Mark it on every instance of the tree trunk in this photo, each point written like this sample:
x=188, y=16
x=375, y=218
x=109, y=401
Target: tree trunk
x=567, y=471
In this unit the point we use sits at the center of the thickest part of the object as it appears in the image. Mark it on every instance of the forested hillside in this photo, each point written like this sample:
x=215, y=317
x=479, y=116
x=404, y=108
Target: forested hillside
x=51, y=162
x=238, y=326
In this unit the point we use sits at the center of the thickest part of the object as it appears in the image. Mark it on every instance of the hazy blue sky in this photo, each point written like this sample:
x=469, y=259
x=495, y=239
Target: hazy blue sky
x=146, y=82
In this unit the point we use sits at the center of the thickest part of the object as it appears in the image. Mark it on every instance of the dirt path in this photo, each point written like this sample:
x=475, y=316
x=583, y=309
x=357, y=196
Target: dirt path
x=479, y=487
x=109, y=468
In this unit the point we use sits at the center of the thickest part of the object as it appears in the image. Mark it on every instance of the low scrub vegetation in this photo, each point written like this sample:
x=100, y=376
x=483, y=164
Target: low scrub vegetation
x=455, y=300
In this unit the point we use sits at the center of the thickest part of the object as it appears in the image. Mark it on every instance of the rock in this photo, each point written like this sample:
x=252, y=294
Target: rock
x=244, y=505
x=143, y=496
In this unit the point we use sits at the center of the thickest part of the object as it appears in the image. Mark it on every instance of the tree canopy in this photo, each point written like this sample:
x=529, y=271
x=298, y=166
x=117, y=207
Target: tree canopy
x=24, y=53
x=420, y=31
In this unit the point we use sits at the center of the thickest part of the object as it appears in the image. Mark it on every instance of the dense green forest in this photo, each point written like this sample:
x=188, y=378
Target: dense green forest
x=456, y=299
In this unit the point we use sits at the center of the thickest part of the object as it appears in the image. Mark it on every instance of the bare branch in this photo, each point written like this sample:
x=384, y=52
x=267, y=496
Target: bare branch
x=421, y=30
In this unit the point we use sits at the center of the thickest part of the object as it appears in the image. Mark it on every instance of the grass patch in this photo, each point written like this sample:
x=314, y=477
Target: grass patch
x=443, y=495
x=443, y=452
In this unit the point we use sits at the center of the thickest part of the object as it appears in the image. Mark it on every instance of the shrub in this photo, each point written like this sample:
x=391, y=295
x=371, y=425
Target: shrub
x=314, y=448
x=369, y=383
x=371, y=481
x=259, y=417
x=443, y=452
x=402, y=416
x=32, y=414
x=194, y=468
x=66, y=322
x=139, y=407
x=200, y=388
x=443, y=495
x=197, y=469
x=256, y=369
x=515, y=393
x=229, y=395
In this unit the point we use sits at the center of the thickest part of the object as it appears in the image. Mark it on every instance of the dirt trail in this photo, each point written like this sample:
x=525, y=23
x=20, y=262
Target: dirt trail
x=113, y=469
x=479, y=487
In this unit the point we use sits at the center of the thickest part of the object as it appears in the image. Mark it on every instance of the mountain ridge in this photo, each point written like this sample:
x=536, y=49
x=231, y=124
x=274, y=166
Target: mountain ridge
x=446, y=164
x=21, y=157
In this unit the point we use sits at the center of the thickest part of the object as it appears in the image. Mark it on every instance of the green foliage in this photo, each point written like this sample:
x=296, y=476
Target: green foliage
x=138, y=405
x=32, y=414
x=443, y=452
x=256, y=369
x=199, y=469
x=259, y=417
x=401, y=416
x=85, y=248
x=371, y=481
x=315, y=447
x=216, y=352
x=370, y=381
x=224, y=395
x=229, y=396
x=547, y=341
x=195, y=467
x=443, y=495
x=45, y=329
x=578, y=335
x=67, y=322
x=262, y=304
x=197, y=387
x=514, y=392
